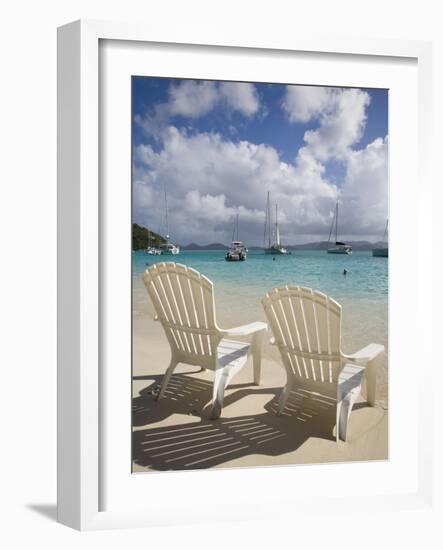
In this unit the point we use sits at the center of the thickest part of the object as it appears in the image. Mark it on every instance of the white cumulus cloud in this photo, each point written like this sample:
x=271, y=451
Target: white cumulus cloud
x=194, y=99
x=210, y=178
x=341, y=114
x=364, y=192
x=302, y=103
x=240, y=96
x=190, y=98
x=341, y=127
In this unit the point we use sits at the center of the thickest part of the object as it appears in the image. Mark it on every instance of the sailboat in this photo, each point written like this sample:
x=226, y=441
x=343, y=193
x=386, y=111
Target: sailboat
x=382, y=252
x=339, y=248
x=237, y=251
x=152, y=250
x=272, y=244
x=167, y=247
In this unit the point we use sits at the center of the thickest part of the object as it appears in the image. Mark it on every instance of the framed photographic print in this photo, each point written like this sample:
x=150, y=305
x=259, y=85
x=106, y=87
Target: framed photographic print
x=236, y=222
x=278, y=196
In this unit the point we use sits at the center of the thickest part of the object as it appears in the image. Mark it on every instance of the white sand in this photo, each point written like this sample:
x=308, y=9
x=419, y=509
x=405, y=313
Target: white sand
x=175, y=433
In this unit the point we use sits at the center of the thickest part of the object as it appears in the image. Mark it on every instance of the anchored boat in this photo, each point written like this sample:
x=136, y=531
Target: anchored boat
x=272, y=243
x=152, y=250
x=237, y=251
x=382, y=252
x=339, y=247
x=168, y=248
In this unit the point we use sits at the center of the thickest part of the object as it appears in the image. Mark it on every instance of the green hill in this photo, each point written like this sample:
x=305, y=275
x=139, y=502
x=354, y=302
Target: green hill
x=142, y=237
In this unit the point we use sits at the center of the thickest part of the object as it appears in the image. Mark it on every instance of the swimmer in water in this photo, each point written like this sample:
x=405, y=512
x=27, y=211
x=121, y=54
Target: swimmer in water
x=345, y=271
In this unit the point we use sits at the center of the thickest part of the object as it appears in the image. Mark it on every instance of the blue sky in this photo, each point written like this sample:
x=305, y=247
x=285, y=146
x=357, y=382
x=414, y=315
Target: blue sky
x=217, y=148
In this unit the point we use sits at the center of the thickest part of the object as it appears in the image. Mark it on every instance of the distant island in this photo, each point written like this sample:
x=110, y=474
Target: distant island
x=143, y=237
x=323, y=245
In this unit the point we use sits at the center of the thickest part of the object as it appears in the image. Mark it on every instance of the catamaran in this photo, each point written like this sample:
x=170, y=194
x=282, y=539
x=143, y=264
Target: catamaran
x=382, y=252
x=272, y=243
x=168, y=247
x=152, y=250
x=339, y=248
x=237, y=251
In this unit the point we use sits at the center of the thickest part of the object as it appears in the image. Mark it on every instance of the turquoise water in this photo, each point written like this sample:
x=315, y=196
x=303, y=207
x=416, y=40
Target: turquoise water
x=239, y=286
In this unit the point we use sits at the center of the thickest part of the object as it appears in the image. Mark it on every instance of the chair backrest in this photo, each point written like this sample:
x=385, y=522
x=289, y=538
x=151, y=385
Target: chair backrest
x=184, y=303
x=307, y=328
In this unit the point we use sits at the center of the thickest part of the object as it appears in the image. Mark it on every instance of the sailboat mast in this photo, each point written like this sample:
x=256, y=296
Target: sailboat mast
x=237, y=226
x=166, y=216
x=277, y=233
x=386, y=230
x=336, y=221
x=330, y=231
x=268, y=222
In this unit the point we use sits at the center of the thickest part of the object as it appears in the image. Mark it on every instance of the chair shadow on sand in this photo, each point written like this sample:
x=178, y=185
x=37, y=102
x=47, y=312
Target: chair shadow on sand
x=207, y=443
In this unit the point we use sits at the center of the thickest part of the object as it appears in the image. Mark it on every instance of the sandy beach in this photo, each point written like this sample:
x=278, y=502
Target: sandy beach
x=175, y=433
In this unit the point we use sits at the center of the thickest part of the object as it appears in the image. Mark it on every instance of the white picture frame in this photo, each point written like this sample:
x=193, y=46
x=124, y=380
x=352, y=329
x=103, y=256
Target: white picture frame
x=80, y=367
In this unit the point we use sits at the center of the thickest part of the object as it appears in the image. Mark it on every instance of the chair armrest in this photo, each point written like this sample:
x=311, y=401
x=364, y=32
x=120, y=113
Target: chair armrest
x=245, y=330
x=366, y=354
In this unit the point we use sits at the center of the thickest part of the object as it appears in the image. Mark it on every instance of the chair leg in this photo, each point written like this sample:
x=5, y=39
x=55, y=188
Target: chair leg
x=337, y=421
x=371, y=379
x=223, y=376
x=166, y=378
x=256, y=347
x=284, y=397
x=221, y=380
x=344, y=409
x=342, y=418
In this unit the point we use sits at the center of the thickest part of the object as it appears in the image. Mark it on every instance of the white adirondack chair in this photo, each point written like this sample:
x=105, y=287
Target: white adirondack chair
x=184, y=303
x=306, y=325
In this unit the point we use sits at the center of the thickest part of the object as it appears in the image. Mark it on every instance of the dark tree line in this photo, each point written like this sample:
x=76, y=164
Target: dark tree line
x=142, y=237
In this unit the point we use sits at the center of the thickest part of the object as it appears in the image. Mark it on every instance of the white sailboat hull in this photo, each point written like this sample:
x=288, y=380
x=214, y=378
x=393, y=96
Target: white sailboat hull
x=237, y=252
x=340, y=247
x=345, y=250
x=170, y=250
x=235, y=257
x=380, y=252
x=276, y=250
x=153, y=251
